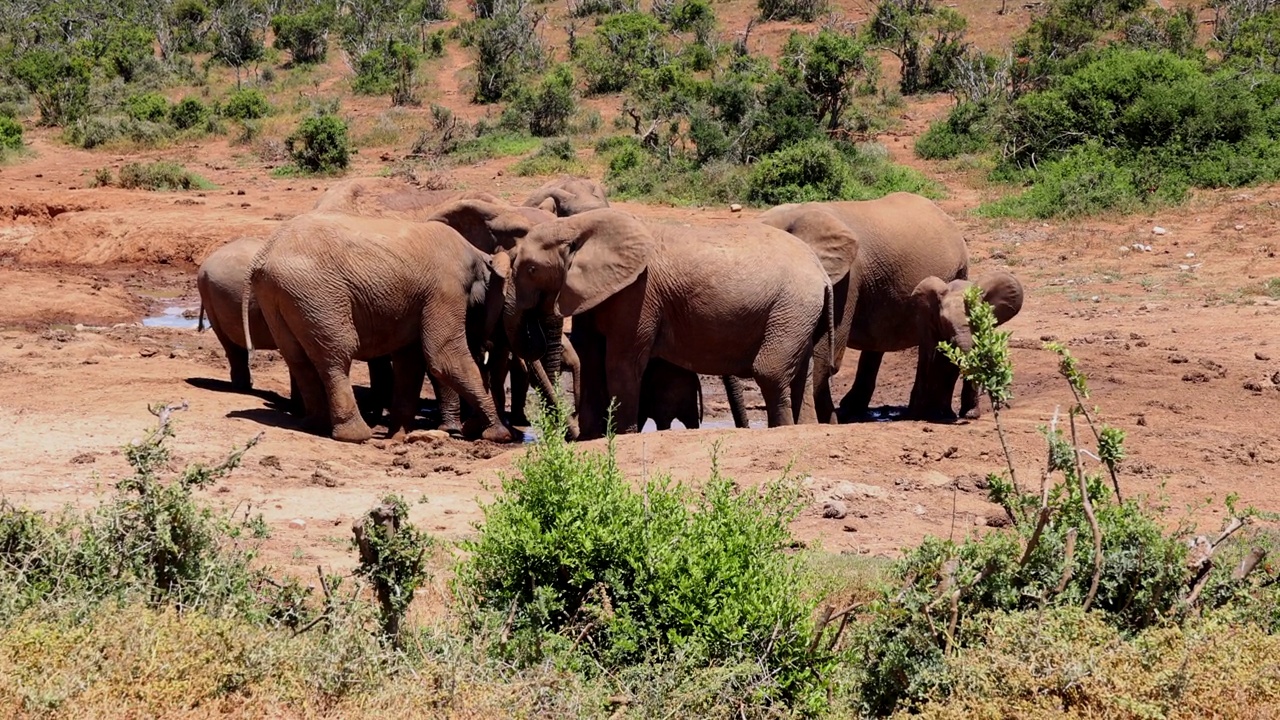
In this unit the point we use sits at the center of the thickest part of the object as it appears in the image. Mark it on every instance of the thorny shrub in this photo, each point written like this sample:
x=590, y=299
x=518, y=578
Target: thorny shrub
x=1076, y=546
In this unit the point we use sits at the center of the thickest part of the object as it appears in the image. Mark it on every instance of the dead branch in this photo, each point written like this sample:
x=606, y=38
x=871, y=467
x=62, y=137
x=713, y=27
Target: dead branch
x=1235, y=524
x=1068, y=562
x=1093, y=521
x=1248, y=564
x=1043, y=520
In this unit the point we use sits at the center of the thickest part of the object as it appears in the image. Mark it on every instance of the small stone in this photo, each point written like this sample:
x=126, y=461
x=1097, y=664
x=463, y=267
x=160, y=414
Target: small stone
x=1262, y=356
x=84, y=458
x=418, y=436
x=270, y=461
x=1275, y=378
x=997, y=521
x=849, y=528
x=919, y=510
x=1142, y=420
x=79, y=327
x=298, y=524
x=834, y=510
x=1239, y=227
x=178, y=354
x=148, y=352
x=92, y=360
x=1157, y=230
x=1253, y=386
x=735, y=208
x=951, y=452
x=1178, y=359
x=1096, y=298
x=1191, y=254
x=322, y=477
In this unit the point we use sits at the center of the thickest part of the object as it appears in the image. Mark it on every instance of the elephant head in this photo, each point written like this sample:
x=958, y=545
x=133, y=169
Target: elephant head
x=490, y=226
x=570, y=265
x=941, y=307
x=568, y=195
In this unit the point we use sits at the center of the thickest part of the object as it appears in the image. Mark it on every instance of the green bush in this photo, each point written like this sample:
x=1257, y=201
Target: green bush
x=149, y=107
x=587, y=8
x=161, y=175
x=188, y=113
x=388, y=71
x=555, y=157
x=59, y=82
x=507, y=49
x=320, y=145
x=621, y=48
x=246, y=104
x=545, y=110
x=304, y=34
x=967, y=129
x=817, y=170
x=10, y=134
x=802, y=10
x=490, y=145
x=926, y=37
x=99, y=130
x=570, y=555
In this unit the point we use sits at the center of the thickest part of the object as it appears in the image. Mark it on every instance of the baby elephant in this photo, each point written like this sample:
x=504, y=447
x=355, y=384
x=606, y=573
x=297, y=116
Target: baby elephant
x=221, y=281
x=941, y=316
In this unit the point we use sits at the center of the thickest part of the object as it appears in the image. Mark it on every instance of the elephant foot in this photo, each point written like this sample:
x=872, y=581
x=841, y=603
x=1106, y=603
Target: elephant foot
x=971, y=414
x=352, y=431
x=500, y=434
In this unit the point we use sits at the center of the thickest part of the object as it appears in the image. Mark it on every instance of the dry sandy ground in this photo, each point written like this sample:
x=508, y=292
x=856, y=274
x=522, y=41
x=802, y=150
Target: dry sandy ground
x=1180, y=344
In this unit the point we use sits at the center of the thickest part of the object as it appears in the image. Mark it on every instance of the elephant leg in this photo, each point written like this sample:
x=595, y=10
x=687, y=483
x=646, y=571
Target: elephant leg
x=737, y=406
x=858, y=399
x=802, y=403
x=943, y=377
x=408, y=372
x=238, y=359
x=344, y=414
x=591, y=395
x=520, y=393
x=823, y=359
x=297, y=406
x=381, y=386
x=450, y=407
x=449, y=360
x=306, y=387
x=626, y=364
x=969, y=401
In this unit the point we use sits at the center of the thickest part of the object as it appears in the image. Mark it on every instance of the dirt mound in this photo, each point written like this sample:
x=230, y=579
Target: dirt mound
x=37, y=299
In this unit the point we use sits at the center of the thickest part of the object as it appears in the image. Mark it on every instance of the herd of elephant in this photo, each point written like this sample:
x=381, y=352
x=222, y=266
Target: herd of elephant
x=466, y=289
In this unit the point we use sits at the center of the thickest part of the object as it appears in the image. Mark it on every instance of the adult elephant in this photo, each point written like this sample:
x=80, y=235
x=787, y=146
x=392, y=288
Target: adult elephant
x=898, y=241
x=335, y=287
x=220, y=281
x=568, y=195
x=745, y=300
x=941, y=315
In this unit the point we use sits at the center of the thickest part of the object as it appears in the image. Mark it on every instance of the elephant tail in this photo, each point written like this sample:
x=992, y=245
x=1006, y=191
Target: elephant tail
x=200, y=318
x=246, y=298
x=827, y=325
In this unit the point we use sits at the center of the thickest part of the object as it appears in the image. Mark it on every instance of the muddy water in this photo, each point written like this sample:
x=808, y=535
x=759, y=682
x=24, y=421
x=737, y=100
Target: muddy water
x=172, y=317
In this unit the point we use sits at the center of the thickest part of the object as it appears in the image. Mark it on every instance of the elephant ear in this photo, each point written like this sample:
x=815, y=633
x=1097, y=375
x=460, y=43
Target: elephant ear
x=547, y=205
x=1003, y=291
x=608, y=250
x=486, y=225
x=832, y=241
x=927, y=298
x=496, y=291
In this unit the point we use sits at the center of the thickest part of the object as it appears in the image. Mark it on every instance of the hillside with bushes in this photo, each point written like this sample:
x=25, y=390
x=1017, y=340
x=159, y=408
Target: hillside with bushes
x=1072, y=107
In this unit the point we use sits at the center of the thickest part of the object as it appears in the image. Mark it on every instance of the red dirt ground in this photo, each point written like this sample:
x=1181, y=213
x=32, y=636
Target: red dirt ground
x=1180, y=345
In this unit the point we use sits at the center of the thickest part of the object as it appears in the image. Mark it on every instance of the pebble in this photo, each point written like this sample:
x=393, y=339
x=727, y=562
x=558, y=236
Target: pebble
x=834, y=510
x=735, y=208
x=1157, y=230
x=148, y=352
x=178, y=354
x=1261, y=356
x=298, y=524
x=1275, y=378
x=1239, y=227
x=1191, y=254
